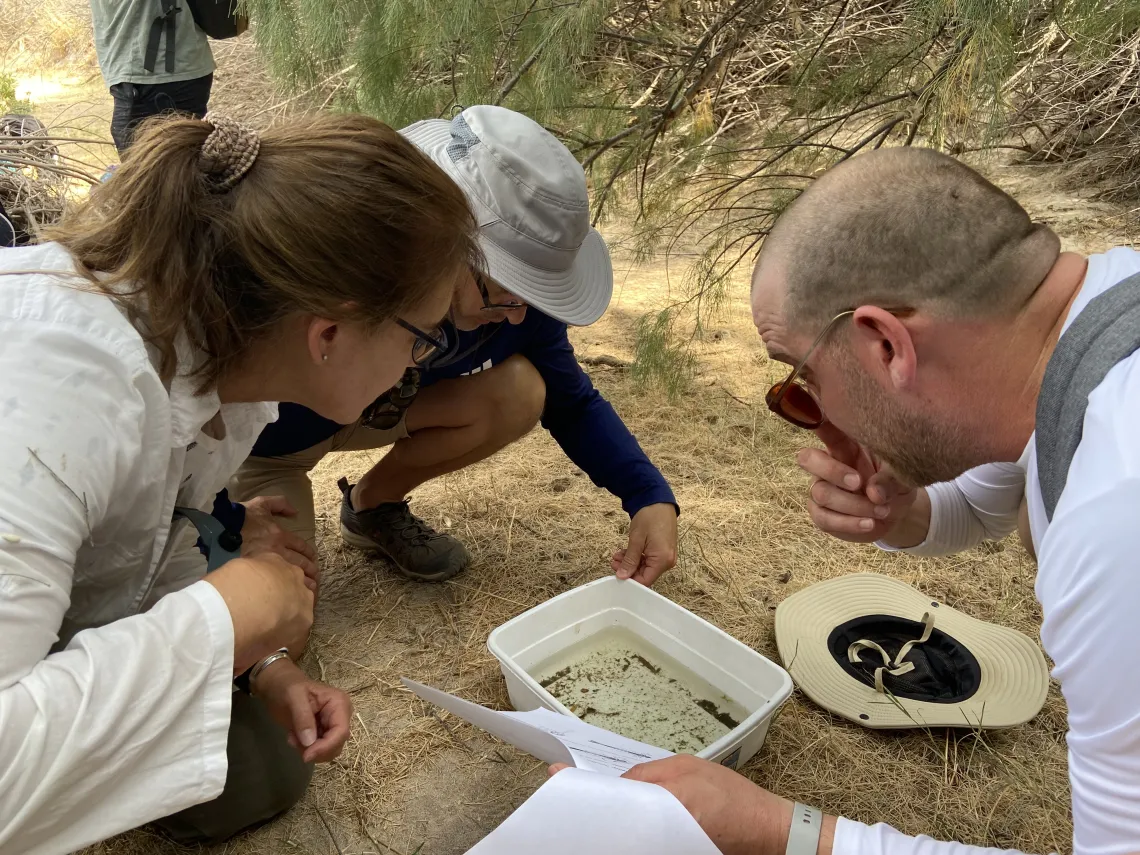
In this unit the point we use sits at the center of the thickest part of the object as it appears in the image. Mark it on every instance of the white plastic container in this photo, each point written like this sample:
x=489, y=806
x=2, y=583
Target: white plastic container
x=754, y=682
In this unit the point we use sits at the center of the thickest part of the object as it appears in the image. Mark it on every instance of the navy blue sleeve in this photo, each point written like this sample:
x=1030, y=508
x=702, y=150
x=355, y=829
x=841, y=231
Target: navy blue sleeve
x=296, y=429
x=230, y=514
x=584, y=424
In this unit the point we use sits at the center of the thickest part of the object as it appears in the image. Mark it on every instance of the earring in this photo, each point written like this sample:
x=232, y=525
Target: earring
x=324, y=357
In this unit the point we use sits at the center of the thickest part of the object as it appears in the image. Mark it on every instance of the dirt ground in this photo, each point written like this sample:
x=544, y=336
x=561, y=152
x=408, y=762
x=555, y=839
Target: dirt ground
x=411, y=781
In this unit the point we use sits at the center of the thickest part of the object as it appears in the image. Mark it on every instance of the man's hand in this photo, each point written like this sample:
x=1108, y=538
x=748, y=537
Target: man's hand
x=315, y=716
x=262, y=533
x=269, y=604
x=851, y=497
x=738, y=816
x=652, y=547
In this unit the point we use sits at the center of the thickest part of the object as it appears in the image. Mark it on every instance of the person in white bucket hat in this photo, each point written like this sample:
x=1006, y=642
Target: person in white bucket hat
x=507, y=362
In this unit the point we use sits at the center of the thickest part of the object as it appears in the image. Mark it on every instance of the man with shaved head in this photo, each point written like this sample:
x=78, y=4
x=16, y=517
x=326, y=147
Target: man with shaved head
x=921, y=309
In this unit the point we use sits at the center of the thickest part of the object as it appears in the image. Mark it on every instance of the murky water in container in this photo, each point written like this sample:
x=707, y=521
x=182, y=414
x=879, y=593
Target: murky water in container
x=616, y=680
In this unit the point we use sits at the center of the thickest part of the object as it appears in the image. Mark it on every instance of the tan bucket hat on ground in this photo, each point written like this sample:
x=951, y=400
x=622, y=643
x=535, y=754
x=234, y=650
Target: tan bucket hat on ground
x=877, y=652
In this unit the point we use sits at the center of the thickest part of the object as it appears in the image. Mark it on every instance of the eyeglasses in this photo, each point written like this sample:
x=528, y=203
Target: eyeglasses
x=791, y=399
x=426, y=346
x=481, y=282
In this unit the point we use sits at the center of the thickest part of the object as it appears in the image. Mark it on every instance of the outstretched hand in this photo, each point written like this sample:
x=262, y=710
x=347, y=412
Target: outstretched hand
x=652, y=547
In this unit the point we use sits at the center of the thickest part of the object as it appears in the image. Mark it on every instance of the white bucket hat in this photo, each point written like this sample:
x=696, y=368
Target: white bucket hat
x=530, y=201
x=881, y=654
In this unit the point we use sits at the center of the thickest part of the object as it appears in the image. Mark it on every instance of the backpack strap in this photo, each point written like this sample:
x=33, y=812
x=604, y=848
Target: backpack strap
x=165, y=21
x=219, y=544
x=1105, y=333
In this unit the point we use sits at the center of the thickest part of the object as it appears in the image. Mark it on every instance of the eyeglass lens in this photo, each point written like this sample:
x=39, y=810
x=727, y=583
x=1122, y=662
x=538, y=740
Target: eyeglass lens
x=423, y=349
x=797, y=405
x=481, y=280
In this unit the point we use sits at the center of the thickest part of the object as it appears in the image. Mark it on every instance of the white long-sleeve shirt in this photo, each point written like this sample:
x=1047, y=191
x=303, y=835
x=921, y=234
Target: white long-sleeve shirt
x=116, y=661
x=1088, y=584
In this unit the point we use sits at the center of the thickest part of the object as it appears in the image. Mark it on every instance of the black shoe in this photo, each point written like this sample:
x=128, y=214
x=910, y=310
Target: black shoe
x=416, y=550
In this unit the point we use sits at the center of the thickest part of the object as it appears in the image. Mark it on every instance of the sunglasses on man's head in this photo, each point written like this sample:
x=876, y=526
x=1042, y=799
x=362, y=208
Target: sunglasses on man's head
x=791, y=399
x=507, y=306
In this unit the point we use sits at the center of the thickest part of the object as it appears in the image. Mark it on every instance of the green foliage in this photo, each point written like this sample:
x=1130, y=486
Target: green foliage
x=411, y=59
x=699, y=122
x=660, y=358
x=9, y=103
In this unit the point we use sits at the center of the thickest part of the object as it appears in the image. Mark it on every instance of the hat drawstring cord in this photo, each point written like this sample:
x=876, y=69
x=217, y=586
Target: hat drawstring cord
x=899, y=666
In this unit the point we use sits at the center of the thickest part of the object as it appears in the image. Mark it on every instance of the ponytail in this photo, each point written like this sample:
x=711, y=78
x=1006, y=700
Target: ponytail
x=335, y=215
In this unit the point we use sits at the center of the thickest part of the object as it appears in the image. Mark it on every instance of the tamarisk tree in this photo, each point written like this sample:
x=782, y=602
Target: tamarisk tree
x=699, y=121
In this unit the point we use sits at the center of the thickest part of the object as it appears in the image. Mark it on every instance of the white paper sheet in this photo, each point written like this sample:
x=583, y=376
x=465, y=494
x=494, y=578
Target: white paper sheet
x=592, y=748
x=583, y=813
x=550, y=737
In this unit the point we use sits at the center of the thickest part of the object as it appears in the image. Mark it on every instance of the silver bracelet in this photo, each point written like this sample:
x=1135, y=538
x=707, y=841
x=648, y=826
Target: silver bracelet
x=283, y=653
x=803, y=836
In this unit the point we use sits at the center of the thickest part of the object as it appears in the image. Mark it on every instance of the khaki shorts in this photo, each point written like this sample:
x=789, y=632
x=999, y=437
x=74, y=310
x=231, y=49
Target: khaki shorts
x=288, y=475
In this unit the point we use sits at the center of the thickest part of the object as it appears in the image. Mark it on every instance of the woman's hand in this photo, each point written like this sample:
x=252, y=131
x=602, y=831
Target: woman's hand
x=270, y=606
x=316, y=716
x=262, y=533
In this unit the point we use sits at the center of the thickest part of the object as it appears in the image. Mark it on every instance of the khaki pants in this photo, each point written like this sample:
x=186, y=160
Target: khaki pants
x=288, y=475
x=266, y=777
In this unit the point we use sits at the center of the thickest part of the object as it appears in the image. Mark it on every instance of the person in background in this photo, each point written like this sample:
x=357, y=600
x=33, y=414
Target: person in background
x=508, y=363
x=7, y=230
x=154, y=59
x=949, y=331
x=141, y=354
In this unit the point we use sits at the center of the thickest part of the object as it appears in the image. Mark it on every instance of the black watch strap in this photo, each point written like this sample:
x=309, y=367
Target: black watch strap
x=242, y=680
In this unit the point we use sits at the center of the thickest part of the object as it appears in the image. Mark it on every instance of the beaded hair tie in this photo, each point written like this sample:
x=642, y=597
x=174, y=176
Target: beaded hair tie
x=228, y=152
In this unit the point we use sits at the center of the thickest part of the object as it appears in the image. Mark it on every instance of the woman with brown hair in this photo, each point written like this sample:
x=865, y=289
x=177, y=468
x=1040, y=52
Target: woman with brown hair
x=141, y=352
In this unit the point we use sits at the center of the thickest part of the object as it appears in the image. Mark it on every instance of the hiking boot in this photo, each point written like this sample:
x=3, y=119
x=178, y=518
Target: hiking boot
x=416, y=550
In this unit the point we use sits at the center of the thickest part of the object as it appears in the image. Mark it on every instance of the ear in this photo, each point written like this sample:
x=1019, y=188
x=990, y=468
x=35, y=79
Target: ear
x=321, y=337
x=884, y=346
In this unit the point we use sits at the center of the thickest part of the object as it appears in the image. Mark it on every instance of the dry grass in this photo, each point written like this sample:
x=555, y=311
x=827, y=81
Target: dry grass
x=243, y=88
x=43, y=168
x=39, y=34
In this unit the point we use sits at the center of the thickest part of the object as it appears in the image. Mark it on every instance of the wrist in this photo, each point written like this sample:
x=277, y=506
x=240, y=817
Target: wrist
x=776, y=840
x=912, y=529
x=827, y=835
x=814, y=833
x=238, y=608
x=269, y=679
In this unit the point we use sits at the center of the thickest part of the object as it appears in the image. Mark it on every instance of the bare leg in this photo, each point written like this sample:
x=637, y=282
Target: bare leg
x=450, y=425
x=453, y=424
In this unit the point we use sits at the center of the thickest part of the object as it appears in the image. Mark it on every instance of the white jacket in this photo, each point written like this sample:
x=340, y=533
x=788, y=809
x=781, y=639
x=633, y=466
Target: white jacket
x=1088, y=584
x=116, y=661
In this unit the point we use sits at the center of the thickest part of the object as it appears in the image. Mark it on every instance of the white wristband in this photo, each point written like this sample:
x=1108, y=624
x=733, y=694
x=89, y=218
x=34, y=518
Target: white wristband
x=803, y=836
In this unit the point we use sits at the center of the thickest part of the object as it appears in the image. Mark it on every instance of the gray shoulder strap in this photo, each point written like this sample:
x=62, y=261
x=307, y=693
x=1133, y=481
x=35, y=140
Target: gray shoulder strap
x=1106, y=332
